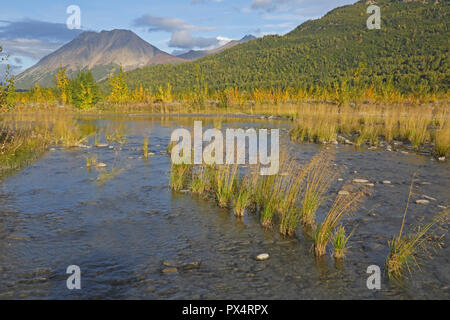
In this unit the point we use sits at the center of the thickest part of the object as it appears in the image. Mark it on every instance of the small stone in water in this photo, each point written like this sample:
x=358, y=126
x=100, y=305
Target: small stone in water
x=169, y=270
x=422, y=201
x=360, y=181
x=441, y=158
x=386, y=182
x=343, y=193
x=428, y=198
x=101, y=165
x=340, y=179
x=370, y=185
x=262, y=257
x=101, y=145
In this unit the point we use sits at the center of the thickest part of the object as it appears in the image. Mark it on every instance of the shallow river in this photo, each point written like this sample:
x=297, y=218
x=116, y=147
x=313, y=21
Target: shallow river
x=123, y=233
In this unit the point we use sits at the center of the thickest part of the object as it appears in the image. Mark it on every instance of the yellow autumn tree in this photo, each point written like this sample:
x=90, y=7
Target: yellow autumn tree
x=62, y=83
x=120, y=93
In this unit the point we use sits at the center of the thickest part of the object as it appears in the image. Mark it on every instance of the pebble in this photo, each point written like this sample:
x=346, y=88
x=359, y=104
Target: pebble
x=262, y=257
x=360, y=181
x=340, y=179
x=344, y=193
x=442, y=207
x=386, y=182
x=102, y=145
x=101, y=165
x=428, y=198
x=422, y=201
x=441, y=158
x=370, y=185
x=169, y=270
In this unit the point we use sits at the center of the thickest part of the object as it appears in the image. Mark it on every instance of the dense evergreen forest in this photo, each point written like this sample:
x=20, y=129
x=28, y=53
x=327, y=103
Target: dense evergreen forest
x=409, y=52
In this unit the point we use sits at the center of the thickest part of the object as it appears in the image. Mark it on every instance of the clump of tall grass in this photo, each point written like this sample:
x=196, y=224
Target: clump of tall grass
x=225, y=184
x=442, y=141
x=106, y=175
x=405, y=250
x=342, y=206
x=319, y=176
x=91, y=161
x=145, y=147
x=180, y=176
x=199, y=184
x=339, y=240
x=268, y=211
x=288, y=206
x=242, y=199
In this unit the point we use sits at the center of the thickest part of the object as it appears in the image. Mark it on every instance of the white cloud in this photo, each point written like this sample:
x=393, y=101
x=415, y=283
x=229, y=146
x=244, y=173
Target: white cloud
x=184, y=39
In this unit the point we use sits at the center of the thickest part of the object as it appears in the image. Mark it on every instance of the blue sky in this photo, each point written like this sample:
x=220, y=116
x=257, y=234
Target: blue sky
x=31, y=29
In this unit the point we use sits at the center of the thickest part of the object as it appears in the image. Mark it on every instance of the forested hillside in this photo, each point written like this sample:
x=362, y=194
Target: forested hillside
x=410, y=52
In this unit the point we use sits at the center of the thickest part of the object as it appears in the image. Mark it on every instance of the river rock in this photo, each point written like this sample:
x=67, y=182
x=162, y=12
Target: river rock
x=169, y=270
x=386, y=182
x=102, y=145
x=360, y=181
x=262, y=257
x=441, y=158
x=101, y=165
x=422, y=201
x=343, y=193
x=370, y=185
x=428, y=198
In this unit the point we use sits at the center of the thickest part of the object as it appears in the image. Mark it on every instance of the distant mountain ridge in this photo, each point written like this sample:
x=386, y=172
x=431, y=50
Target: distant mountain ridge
x=99, y=52
x=197, y=54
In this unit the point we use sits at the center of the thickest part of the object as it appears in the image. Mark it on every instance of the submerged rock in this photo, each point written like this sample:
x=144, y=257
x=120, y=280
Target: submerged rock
x=169, y=270
x=262, y=257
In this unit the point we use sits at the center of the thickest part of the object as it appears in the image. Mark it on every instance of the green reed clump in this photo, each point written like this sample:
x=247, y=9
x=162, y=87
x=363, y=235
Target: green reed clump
x=342, y=206
x=180, y=176
x=242, y=199
x=442, y=141
x=145, y=147
x=268, y=212
x=199, y=184
x=225, y=184
x=405, y=250
x=91, y=161
x=339, y=239
x=319, y=178
x=107, y=175
x=288, y=207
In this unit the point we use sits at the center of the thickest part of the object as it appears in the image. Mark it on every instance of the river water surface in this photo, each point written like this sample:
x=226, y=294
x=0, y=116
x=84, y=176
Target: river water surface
x=124, y=232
